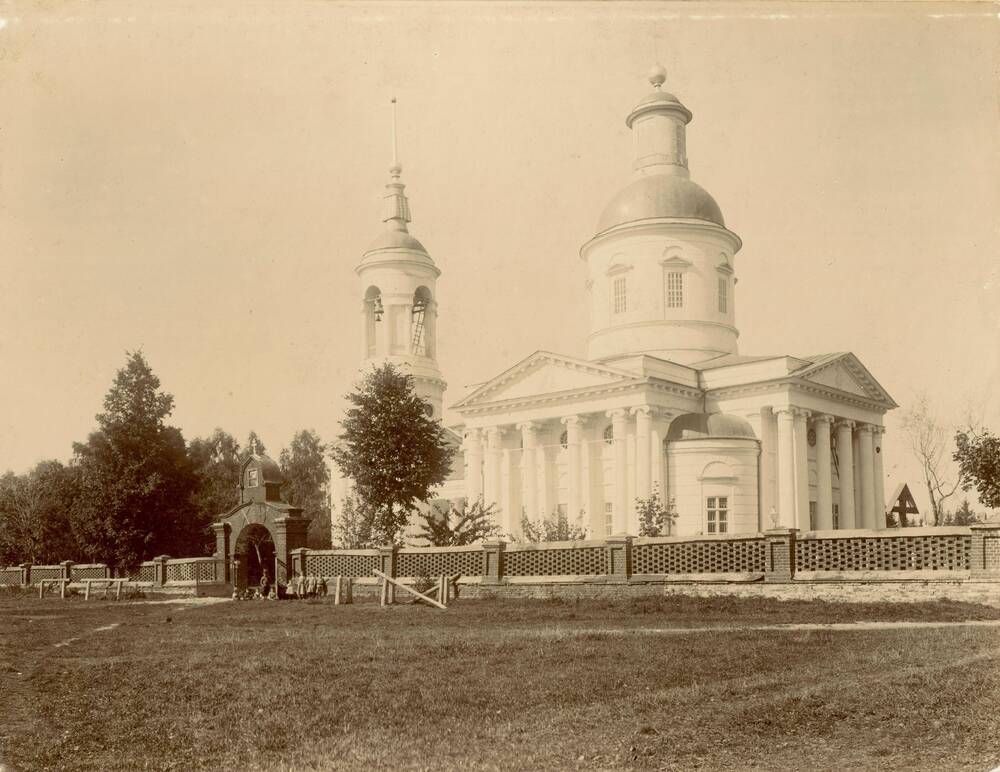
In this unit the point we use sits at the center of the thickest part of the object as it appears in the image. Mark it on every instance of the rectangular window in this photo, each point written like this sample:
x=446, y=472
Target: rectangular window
x=675, y=290
x=718, y=514
x=812, y=515
x=618, y=290
x=252, y=478
x=836, y=516
x=609, y=511
x=723, y=287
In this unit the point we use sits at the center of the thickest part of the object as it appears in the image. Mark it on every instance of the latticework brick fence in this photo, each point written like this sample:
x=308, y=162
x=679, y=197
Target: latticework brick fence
x=937, y=549
x=779, y=555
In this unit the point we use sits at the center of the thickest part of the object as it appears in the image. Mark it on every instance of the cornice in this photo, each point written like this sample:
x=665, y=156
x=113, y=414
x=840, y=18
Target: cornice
x=659, y=323
x=801, y=385
x=658, y=224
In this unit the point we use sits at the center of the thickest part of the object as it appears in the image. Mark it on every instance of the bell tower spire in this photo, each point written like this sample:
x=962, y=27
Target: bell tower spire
x=399, y=305
x=396, y=207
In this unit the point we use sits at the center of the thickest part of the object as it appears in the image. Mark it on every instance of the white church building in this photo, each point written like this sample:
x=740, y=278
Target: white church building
x=664, y=401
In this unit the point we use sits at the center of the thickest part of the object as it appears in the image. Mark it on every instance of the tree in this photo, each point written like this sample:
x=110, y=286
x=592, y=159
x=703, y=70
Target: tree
x=928, y=441
x=978, y=456
x=352, y=529
x=136, y=480
x=458, y=526
x=306, y=481
x=557, y=528
x=392, y=450
x=35, y=523
x=963, y=515
x=655, y=519
x=216, y=461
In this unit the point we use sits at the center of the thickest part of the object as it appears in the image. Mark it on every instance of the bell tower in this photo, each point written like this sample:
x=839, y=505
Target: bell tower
x=399, y=295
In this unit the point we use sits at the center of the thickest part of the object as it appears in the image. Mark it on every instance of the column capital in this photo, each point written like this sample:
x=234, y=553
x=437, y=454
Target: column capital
x=645, y=410
x=823, y=418
x=575, y=420
x=618, y=412
x=801, y=412
x=495, y=432
x=844, y=423
x=866, y=428
x=878, y=430
x=527, y=426
x=786, y=412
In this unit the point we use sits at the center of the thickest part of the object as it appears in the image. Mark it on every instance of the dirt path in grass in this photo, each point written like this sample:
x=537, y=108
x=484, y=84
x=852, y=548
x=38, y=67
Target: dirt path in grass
x=778, y=627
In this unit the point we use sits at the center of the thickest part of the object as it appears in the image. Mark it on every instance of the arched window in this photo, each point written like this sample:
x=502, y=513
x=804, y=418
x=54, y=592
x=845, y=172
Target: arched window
x=420, y=338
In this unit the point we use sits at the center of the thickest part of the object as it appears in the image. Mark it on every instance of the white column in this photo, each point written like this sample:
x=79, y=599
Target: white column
x=643, y=470
x=801, y=470
x=856, y=448
x=657, y=431
x=592, y=472
x=510, y=512
x=879, y=454
x=867, y=464
x=493, y=475
x=575, y=495
x=474, y=465
x=786, y=468
x=759, y=421
x=529, y=468
x=618, y=423
x=845, y=465
x=824, y=474
x=546, y=501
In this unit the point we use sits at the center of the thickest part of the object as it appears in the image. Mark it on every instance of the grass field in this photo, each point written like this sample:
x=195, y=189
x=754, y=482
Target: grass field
x=495, y=685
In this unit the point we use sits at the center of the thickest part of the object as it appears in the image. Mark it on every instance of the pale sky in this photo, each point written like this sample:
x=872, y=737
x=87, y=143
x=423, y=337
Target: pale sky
x=200, y=182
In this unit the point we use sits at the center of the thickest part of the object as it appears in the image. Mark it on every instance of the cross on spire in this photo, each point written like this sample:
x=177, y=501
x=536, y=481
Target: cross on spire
x=396, y=169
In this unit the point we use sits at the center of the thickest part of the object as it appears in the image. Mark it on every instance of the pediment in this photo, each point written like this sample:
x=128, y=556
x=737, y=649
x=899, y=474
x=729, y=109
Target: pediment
x=846, y=373
x=542, y=374
x=838, y=377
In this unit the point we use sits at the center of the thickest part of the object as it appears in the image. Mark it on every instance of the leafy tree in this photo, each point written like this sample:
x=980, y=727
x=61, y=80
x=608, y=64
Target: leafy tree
x=655, y=519
x=557, y=528
x=978, y=456
x=392, y=450
x=136, y=479
x=458, y=526
x=35, y=523
x=352, y=530
x=307, y=478
x=216, y=461
x=963, y=515
x=928, y=442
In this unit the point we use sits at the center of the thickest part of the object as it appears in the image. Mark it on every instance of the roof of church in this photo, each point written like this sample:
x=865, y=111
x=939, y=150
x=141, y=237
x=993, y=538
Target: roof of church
x=702, y=426
x=728, y=360
x=657, y=196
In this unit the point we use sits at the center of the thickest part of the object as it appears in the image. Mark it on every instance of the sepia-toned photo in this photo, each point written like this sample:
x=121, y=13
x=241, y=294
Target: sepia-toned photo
x=502, y=386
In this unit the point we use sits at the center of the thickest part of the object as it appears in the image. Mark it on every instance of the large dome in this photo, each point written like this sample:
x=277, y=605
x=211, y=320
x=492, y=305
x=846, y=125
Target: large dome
x=704, y=426
x=660, y=195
